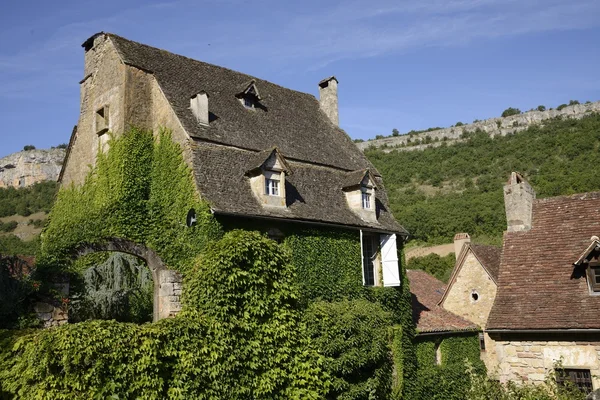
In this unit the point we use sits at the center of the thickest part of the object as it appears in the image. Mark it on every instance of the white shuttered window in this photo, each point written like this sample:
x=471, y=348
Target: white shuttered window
x=389, y=260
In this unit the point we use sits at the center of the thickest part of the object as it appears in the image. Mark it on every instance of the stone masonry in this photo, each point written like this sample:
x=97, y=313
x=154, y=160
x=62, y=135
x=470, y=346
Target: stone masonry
x=531, y=361
x=494, y=127
x=167, y=294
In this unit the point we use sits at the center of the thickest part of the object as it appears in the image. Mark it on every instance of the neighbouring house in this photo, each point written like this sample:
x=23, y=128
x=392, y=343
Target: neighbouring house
x=444, y=339
x=472, y=288
x=548, y=295
x=264, y=157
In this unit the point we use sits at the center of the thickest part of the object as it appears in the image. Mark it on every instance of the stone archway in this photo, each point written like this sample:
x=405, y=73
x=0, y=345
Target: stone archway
x=167, y=283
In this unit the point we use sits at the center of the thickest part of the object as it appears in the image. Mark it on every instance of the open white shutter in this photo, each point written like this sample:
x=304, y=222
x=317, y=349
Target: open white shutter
x=389, y=260
x=362, y=257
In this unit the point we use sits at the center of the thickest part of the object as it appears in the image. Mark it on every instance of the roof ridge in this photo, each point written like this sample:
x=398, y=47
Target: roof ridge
x=574, y=196
x=251, y=77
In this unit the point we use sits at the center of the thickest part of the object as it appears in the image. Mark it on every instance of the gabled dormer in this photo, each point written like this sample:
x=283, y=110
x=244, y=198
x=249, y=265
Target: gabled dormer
x=590, y=261
x=267, y=178
x=360, y=189
x=250, y=97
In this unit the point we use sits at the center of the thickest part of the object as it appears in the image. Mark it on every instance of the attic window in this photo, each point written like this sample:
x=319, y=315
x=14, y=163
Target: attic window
x=248, y=102
x=366, y=199
x=102, y=121
x=593, y=273
x=271, y=186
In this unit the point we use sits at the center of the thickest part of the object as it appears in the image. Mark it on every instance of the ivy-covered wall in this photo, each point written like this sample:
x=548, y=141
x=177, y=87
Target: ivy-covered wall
x=329, y=268
x=448, y=379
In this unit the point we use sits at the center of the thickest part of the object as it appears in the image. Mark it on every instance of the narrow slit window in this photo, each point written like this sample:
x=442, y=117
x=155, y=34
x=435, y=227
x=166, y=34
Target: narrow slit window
x=369, y=254
x=102, y=121
x=481, y=341
x=271, y=187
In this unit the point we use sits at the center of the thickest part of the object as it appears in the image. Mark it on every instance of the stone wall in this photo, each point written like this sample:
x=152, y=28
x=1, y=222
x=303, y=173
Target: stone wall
x=28, y=167
x=531, y=360
x=54, y=312
x=493, y=127
x=471, y=280
x=167, y=293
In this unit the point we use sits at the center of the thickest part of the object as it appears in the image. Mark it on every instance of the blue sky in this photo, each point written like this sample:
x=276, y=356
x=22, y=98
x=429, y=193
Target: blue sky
x=401, y=64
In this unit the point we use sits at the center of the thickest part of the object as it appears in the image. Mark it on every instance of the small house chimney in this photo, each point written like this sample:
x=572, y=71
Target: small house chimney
x=328, y=98
x=518, y=203
x=199, y=107
x=460, y=239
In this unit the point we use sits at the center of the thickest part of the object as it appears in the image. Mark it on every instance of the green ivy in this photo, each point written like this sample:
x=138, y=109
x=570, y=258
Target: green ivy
x=449, y=379
x=141, y=189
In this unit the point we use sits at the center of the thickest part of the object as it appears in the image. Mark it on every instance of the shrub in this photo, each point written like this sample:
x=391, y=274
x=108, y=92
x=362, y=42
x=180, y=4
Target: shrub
x=510, y=111
x=16, y=287
x=62, y=146
x=562, y=106
x=541, y=108
x=354, y=336
x=433, y=264
x=573, y=102
x=8, y=226
x=459, y=124
x=28, y=147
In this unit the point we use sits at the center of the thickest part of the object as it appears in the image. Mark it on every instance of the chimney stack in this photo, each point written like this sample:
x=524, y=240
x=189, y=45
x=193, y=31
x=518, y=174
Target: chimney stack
x=328, y=98
x=460, y=239
x=199, y=107
x=518, y=203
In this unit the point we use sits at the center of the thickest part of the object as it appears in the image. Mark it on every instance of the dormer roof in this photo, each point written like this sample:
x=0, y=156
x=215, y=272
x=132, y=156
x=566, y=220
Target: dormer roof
x=362, y=177
x=250, y=89
x=267, y=160
x=591, y=251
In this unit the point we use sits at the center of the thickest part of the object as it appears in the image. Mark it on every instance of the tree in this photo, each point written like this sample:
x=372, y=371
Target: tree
x=29, y=147
x=395, y=132
x=379, y=136
x=573, y=102
x=541, y=108
x=459, y=124
x=510, y=111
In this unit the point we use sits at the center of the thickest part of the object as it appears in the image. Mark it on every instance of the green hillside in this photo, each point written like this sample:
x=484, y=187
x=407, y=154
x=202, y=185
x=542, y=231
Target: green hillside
x=24, y=210
x=438, y=192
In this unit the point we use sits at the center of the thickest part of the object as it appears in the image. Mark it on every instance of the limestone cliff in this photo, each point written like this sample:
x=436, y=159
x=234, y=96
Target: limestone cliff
x=493, y=127
x=28, y=167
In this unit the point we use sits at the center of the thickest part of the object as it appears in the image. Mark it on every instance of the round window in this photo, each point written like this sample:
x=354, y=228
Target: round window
x=474, y=295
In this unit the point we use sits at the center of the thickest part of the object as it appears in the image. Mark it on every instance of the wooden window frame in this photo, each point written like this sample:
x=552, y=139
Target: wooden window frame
x=593, y=275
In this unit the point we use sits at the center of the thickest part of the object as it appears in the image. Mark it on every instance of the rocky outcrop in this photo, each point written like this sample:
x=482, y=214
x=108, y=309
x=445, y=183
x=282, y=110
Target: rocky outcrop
x=493, y=127
x=28, y=167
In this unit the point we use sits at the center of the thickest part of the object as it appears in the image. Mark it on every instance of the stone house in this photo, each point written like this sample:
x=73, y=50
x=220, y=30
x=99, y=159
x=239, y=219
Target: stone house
x=472, y=288
x=263, y=156
x=537, y=302
x=546, y=306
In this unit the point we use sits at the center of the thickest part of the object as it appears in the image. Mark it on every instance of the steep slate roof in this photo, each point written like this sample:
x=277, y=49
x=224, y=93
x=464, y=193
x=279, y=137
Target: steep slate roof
x=314, y=193
x=538, y=286
x=426, y=292
x=319, y=154
x=289, y=120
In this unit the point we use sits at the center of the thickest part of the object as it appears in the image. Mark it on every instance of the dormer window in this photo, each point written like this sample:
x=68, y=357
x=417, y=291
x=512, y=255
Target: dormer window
x=359, y=189
x=249, y=97
x=590, y=260
x=268, y=174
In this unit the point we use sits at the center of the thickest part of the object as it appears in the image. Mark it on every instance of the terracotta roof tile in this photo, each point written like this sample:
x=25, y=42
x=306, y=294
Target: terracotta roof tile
x=489, y=257
x=426, y=292
x=538, y=286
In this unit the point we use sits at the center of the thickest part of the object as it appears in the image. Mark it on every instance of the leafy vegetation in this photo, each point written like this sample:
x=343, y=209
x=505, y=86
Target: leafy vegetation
x=16, y=288
x=354, y=337
x=440, y=191
x=13, y=245
x=28, y=200
x=8, y=226
x=510, y=111
x=28, y=147
x=433, y=264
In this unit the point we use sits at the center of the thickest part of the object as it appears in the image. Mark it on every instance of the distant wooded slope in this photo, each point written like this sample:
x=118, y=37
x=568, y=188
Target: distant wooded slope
x=437, y=192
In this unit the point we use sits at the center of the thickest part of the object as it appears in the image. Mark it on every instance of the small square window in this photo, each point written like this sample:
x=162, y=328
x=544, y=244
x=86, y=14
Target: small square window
x=247, y=101
x=581, y=378
x=271, y=187
x=366, y=200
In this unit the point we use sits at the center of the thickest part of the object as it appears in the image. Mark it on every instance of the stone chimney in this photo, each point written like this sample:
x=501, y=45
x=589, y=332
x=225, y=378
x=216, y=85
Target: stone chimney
x=328, y=98
x=518, y=203
x=460, y=239
x=199, y=107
